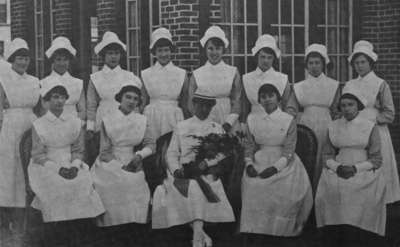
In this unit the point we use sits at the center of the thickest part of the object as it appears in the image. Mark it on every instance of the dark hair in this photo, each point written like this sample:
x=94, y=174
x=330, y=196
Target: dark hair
x=315, y=54
x=267, y=50
x=129, y=88
x=56, y=90
x=20, y=52
x=210, y=102
x=161, y=43
x=370, y=60
x=112, y=46
x=268, y=89
x=216, y=41
x=61, y=52
x=360, y=106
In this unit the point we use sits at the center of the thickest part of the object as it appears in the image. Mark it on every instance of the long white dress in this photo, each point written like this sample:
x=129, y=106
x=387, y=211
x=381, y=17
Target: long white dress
x=316, y=95
x=170, y=207
x=58, y=142
x=278, y=205
x=103, y=87
x=21, y=95
x=380, y=110
x=360, y=200
x=163, y=85
x=75, y=104
x=125, y=195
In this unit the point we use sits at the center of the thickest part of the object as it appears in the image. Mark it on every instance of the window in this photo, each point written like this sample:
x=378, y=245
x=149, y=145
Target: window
x=53, y=33
x=94, y=37
x=295, y=24
x=133, y=35
x=39, y=42
x=3, y=12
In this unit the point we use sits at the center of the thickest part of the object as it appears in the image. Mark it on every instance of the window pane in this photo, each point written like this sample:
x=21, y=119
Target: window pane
x=286, y=40
x=252, y=35
x=270, y=7
x=344, y=69
x=132, y=14
x=133, y=65
x=226, y=10
x=39, y=24
x=238, y=11
x=38, y=5
x=299, y=68
x=344, y=42
x=332, y=11
x=227, y=60
x=3, y=13
x=299, y=44
x=286, y=11
x=239, y=63
x=238, y=40
x=298, y=12
x=287, y=66
x=251, y=63
x=332, y=33
x=227, y=30
x=332, y=72
x=251, y=11
x=344, y=12
x=133, y=43
x=156, y=12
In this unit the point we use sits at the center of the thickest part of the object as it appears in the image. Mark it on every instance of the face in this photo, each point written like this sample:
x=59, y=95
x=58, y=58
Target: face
x=112, y=58
x=265, y=60
x=315, y=66
x=269, y=101
x=57, y=102
x=202, y=109
x=60, y=64
x=361, y=65
x=349, y=108
x=163, y=55
x=214, y=53
x=21, y=64
x=129, y=101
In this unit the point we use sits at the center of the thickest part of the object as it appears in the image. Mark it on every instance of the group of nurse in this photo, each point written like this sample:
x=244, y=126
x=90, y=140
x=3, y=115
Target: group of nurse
x=355, y=175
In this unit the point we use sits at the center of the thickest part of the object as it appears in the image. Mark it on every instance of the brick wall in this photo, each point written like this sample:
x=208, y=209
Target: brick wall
x=107, y=16
x=62, y=18
x=19, y=27
x=181, y=17
x=380, y=24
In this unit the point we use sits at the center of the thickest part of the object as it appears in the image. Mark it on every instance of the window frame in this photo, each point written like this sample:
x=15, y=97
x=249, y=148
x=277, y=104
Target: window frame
x=39, y=56
x=128, y=30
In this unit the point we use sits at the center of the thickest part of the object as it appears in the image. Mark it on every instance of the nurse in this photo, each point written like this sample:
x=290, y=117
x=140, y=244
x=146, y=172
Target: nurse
x=379, y=108
x=220, y=78
x=266, y=52
x=318, y=97
x=350, y=201
x=61, y=53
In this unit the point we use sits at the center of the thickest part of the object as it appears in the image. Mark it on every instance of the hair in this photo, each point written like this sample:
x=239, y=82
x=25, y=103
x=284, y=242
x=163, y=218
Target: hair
x=215, y=41
x=370, y=60
x=315, y=54
x=268, y=89
x=57, y=89
x=112, y=46
x=20, y=52
x=129, y=88
x=162, y=43
x=268, y=51
x=61, y=52
x=210, y=102
x=360, y=105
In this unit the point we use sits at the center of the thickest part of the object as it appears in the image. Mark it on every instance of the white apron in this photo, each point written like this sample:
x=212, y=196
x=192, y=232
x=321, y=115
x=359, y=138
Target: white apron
x=108, y=83
x=125, y=195
x=369, y=87
x=58, y=198
x=252, y=82
x=219, y=80
x=170, y=207
x=359, y=200
x=281, y=204
x=164, y=85
x=316, y=96
x=22, y=94
x=74, y=88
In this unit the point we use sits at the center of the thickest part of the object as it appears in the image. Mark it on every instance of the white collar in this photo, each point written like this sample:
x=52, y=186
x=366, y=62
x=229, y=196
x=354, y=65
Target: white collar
x=321, y=77
x=52, y=118
x=215, y=66
x=107, y=69
x=158, y=66
x=273, y=115
x=260, y=72
x=17, y=76
x=65, y=75
x=370, y=77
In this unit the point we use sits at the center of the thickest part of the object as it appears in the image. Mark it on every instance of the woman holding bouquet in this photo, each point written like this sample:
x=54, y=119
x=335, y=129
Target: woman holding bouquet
x=192, y=193
x=118, y=173
x=276, y=192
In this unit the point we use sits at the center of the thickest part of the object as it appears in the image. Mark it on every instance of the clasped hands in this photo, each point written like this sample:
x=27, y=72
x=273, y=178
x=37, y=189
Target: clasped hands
x=71, y=172
x=134, y=165
x=266, y=173
x=343, y=171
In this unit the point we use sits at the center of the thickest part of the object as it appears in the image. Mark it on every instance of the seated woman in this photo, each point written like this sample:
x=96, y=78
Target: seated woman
x=350, y=200
x=118, y=173
x=61, y=181
x=181, y=200
x=276, y=192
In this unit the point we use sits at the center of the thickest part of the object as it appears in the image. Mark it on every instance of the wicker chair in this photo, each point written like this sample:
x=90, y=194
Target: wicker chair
x=306, y=148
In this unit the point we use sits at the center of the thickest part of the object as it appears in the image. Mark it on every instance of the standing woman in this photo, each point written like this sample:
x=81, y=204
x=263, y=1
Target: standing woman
x=318, y=95
x=350, y=201
x=379, y=109
x=19, y=93
x=222, y=79
x=62, y=183
x=107, y=82
x=61, y=53
x=118, y=171
x=267, y=52
x=276, y=191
